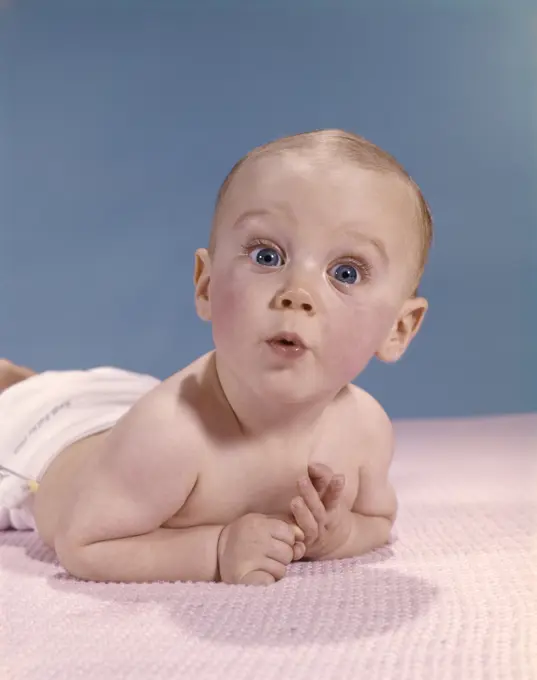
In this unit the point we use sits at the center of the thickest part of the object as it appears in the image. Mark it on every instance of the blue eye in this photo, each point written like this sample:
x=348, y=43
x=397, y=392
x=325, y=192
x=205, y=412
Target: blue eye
x=345, y=273
x=267, y=257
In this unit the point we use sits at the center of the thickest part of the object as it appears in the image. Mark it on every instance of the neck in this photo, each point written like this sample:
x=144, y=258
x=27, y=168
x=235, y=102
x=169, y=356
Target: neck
x=260, y=416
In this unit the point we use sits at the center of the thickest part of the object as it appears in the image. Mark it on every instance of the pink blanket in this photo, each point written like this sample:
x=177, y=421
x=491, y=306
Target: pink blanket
x=455, y=597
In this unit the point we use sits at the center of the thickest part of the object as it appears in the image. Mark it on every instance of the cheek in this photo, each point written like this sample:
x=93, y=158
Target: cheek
x=225, y=307
x=232, y=307
x=356, y=336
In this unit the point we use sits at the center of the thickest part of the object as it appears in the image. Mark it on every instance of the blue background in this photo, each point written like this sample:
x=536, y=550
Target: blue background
x=118, y=121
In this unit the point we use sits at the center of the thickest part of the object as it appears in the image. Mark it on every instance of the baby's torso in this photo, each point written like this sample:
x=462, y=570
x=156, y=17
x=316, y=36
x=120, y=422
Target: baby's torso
x=236, y=476
x=242, y=477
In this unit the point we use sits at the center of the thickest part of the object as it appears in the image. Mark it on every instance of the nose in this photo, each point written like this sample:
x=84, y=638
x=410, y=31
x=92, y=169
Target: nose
x=297, y=299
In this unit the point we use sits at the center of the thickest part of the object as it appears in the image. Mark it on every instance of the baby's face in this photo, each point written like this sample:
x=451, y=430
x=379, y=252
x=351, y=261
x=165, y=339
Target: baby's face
x=322, y=250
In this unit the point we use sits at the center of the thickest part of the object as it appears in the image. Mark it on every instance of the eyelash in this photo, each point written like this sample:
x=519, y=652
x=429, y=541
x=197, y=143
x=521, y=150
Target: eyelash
x=258, y=243
x=363, y=267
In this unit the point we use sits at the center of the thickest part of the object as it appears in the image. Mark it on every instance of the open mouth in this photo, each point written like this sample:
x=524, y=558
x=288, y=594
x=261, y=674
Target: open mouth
x=290, y=341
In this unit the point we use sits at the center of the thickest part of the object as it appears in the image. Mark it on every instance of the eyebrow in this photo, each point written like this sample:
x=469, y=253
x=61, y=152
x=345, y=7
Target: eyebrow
x=262, y=212
x=375, y=242
x=243, y=217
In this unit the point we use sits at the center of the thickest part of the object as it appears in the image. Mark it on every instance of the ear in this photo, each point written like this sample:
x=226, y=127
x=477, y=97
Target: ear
x=404, y=330
x=202, y=280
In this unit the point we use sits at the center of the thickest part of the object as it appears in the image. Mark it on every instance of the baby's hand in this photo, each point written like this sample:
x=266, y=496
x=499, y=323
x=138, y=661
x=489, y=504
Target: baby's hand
x=256, y=550
x=319, y=513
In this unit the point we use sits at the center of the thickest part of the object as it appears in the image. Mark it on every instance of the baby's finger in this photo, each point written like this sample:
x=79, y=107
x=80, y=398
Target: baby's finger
x=321, y=485
x=283, y=531
x=299, y=550
x=304, y=519
x=257, y=578
x=334, y=491
x=274, y=567
x=299, y=534
x=312, y=500
x=320, y=476
x=280, y=552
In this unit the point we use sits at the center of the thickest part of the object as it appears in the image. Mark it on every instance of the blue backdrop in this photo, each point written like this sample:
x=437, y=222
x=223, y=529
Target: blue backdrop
x=118, y=121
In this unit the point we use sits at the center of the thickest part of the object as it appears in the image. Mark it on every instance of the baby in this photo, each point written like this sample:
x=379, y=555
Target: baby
x=261, y=452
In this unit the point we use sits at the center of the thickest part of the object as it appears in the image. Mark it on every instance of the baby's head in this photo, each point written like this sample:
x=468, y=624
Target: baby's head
x=322, y=234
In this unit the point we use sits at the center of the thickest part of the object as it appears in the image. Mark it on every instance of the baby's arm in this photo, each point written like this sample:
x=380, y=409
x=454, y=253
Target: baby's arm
x=142, y=477
x=375, y=507
x=332, y=530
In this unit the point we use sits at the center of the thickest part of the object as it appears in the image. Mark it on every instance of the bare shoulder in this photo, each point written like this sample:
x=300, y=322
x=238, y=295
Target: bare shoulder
x=158, y=432
x=376, y=495
x=164, y=431
x=374, y=429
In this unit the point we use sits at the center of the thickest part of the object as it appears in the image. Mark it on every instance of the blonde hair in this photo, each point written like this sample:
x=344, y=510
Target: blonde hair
x=346, y=146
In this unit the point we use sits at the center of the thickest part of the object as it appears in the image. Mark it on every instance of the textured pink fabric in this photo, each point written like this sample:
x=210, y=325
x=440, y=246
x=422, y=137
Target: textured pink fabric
x=454, y=598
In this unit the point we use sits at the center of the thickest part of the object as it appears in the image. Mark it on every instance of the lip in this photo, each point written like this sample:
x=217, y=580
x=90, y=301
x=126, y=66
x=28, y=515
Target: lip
x=288, y=340
x=287, y=346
